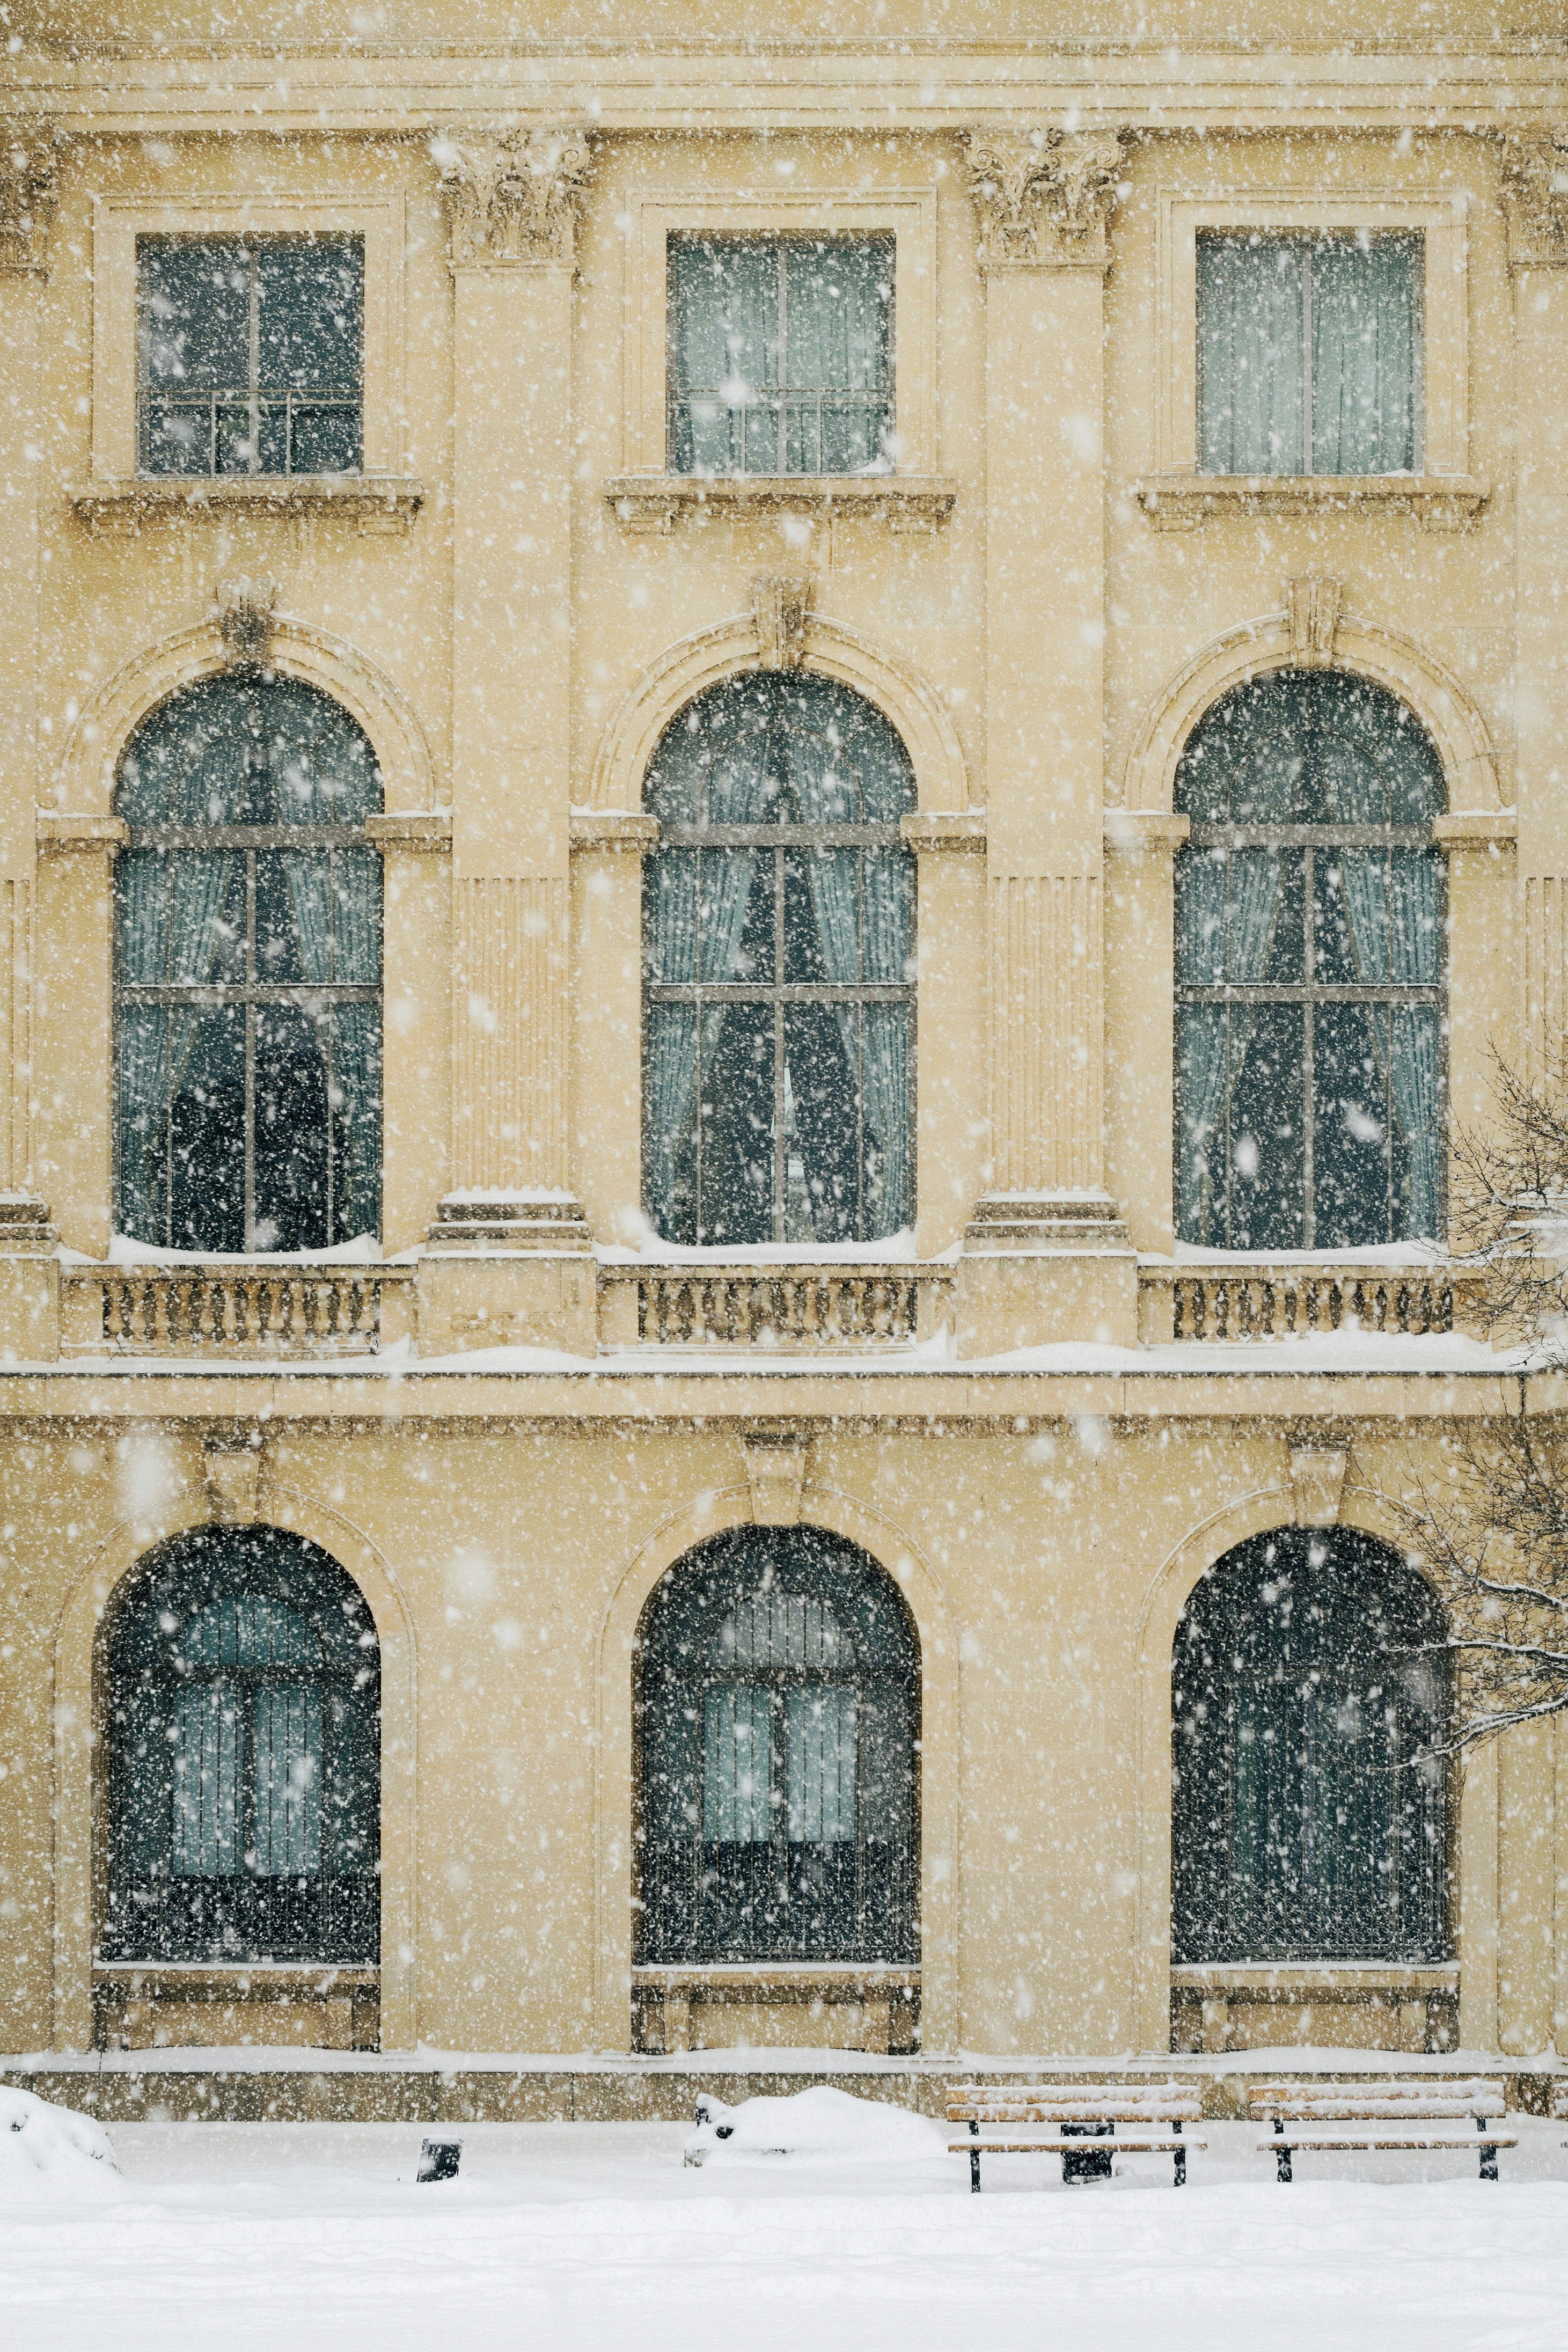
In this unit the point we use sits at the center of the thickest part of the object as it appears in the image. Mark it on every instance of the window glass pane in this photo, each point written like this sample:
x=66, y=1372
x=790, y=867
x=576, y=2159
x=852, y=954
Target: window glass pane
x=737, y=914
x=195, y=314
x=1353, y=1178
x=670, y=1120
x=288, y=1780
x=177, y=437
x=292, y=1132
x=206, y=1156
x=840, y=299
x=310, y=305
x=1251, y=354
x=822, y=1141
x=355, y=1097
x=1364, y=296
x=737, y=1126
x=1267, y=1171
x=819, y=1747
x=208, y=1744
x=356, y=886
x=822, y=915
x=293, y=915
x=325, y=440
x=672, y=878
x=737, y=1768
x=724, y=354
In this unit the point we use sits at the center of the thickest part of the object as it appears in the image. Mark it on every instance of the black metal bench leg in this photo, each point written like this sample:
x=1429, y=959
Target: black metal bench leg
x=1282, y=2163
x=1180, y=2179
x=1488, y=2161
x=974, y=2172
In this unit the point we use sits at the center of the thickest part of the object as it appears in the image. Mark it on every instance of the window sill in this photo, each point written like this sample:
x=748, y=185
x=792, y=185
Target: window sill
x=1440, y=502
x=379, y=501
x=651, y=504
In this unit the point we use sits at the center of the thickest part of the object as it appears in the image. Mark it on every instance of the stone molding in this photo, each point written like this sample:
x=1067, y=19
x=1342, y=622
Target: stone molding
x=1312, y=607
x=1044, y=197
x=781, y=605
x=612, y=831
x=514, y=199
x=413, y=832
x=384, y=502
x=1535, y=202
x=649, y=506
x=27, y=201
x=1183, y=501
x=63, y=829
x=944, y=832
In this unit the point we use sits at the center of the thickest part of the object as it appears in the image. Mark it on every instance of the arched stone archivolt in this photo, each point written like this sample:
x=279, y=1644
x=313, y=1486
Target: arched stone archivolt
x=831, y=649
x=88, y=765
x=714, y=1512
x=78, y=1663
x=1445, y=710
x=1362, y=1508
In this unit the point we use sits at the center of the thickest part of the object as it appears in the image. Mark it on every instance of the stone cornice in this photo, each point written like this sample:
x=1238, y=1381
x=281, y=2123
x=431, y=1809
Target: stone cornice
x=1044, y=197
x=516, y=199
x=26, y=198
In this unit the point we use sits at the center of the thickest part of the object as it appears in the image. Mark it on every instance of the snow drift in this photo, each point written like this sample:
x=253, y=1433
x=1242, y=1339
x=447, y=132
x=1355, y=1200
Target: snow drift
x=50, y=2155
x=821, y=2124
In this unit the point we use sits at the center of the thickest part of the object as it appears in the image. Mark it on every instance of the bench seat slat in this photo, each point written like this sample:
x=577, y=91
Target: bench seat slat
x=1136, y=2144
x=1310, y=2137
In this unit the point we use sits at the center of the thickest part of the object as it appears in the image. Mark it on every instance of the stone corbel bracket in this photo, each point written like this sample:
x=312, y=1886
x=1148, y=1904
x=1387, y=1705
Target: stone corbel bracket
x=231, y=1473
x=1312, y=609
x=775, y=1470
x=1044, y=197
x=1535, y=202
x=1317, y=1481
x=516, y=199
x=27, y=201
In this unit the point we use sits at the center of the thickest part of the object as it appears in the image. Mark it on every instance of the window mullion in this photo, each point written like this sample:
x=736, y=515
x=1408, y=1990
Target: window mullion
x=1309, y=1101
x=780, y=365
x=781, y=1139
x=253, y=363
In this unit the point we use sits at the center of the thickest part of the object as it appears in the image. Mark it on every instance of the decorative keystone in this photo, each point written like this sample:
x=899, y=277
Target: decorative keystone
x=781, y=603
x=1312, y=608
x=1535, y=203
x=515, y=199
x=1317, y=1483
x=247, y=611
x=1044, y=197
x=27, y=201
x=775, y=1469
x=231, y=1472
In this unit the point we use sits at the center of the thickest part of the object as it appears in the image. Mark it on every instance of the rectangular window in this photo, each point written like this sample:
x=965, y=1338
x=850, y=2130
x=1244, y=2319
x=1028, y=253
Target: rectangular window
x=781, y=355
x=1309, y=353
x=251, y=355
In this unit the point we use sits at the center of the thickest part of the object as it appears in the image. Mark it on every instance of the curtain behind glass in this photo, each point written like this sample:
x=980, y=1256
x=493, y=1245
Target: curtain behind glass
x=725, y=360
x=1251, y=355
x=1395, y=902
x=1363, y=357
x=737, y=1766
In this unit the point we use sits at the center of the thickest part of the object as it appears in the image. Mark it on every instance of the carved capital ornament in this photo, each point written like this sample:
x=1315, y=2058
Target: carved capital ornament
x=514, y=199
x=1535, y=202
x=1044, y=197
x=26, y=200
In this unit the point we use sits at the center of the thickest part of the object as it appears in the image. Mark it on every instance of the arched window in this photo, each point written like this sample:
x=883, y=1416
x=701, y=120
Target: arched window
x=244, y=1773
x=1310, y=1815
x=1310, y=927
x=247, y=930
x=778, y=1712
x=778, y=946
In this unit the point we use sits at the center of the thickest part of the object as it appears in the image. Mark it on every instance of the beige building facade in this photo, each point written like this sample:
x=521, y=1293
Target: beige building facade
x=1068, y=1369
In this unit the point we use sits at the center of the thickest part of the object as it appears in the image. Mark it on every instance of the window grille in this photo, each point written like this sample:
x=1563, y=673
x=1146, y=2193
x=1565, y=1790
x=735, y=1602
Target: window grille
x=251, y=355
x=781, y=355
x=1311, y=921
x=778, y=946
x=247, y=973
x=1311, y=1817
x=244, y=1757
x=777, y=1715
x=1310, y=354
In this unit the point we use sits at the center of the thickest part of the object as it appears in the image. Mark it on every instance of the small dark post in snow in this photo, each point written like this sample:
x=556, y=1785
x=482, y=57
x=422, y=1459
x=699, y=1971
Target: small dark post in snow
x=439, y=2159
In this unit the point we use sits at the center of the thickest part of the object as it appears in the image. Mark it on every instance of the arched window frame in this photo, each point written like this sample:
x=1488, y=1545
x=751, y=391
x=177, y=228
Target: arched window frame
x=778, y=842
x=1316, y=844
x=738, y=1898
x=258, y=1905
x=1238, y=1668
x=317, y=998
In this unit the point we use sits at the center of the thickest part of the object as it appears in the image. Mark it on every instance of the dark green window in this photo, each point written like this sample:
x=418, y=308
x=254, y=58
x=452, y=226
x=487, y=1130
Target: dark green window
x=1310, y=922
x=778, y=1708
x=1311, y=1817
x=781, y=355
x=247, y=973
x=251, y=355
x=778, y=945
x=244, y=1797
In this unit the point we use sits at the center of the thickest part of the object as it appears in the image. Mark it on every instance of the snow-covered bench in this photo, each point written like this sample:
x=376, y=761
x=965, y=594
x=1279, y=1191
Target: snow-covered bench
x=1056, y=2118
x=1356, y=2116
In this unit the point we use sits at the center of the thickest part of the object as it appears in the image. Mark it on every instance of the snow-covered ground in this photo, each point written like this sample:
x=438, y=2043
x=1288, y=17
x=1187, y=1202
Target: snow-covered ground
x=573, y=2237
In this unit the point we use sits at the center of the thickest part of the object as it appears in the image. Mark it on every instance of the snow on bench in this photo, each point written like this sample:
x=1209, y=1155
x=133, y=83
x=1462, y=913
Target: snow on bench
x=1003, y=2119
x=1416, y=2114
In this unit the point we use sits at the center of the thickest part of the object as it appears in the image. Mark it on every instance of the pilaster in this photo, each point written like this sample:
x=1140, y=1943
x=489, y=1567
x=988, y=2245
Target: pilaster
x=1044, y=200
x=513, y=203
